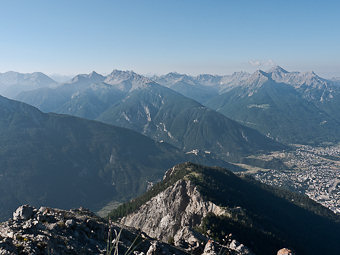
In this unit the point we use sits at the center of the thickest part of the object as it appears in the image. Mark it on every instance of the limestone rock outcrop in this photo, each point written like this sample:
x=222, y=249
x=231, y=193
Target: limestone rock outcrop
x=172, y=215
x=78, y=231
x=285, y=251
x=165, y=215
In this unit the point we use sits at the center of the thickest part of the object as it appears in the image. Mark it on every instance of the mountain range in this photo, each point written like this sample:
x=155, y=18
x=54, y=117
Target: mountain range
x=126, y=99
x=201, y=87
x=64, y=161
x=13, y=83
x=291, y=107
x=277, y=103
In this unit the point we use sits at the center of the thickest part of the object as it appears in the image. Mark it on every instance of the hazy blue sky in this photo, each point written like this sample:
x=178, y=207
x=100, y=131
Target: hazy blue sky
x=157, y=36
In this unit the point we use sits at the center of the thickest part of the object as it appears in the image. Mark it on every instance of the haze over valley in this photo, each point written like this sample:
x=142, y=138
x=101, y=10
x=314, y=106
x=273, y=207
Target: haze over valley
x=227, y=118
x=169, y=127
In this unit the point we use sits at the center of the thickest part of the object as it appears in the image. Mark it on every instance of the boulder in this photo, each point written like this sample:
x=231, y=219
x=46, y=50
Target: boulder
x=285, y=251
x=23, y=212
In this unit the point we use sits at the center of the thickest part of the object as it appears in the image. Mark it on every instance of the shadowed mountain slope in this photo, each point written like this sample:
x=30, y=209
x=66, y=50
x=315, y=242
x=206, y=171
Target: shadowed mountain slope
x=64, y=161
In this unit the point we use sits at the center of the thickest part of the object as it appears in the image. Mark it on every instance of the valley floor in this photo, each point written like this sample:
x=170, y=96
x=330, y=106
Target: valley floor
x=314, y=171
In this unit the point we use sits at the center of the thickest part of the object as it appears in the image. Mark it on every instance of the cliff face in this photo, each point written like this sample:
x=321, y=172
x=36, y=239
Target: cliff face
x=196, y=204
x=172, y=216
x=166, y=214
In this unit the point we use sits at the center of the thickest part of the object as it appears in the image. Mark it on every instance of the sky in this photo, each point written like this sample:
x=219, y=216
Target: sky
x=157, y=36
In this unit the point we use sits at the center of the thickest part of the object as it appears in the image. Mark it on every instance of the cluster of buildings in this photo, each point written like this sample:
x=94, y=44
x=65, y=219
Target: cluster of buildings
x=314, y=171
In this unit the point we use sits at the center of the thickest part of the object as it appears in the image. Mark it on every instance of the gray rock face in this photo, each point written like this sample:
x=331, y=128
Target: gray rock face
x=164, y=216
x=23, y=212
x=285, y=251
x=210, y=248
x=172, y=215
x=237, y=247
x=70, y=223
x=78, y=231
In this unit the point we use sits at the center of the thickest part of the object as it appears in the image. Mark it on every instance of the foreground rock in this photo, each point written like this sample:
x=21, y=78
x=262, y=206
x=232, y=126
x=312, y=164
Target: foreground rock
x=285, y=251
x=79, y=231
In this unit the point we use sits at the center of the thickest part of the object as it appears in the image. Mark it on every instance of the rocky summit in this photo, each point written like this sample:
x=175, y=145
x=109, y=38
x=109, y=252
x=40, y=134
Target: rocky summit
x=172, y=216
x=78, y=231
x=194, y=205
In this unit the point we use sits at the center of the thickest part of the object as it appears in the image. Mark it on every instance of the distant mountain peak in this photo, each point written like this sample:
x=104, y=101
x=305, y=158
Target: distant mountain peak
x=126, y=75
x=278, y=73
x=310, y=74
x=94, y=74
x=277, y=69
x=92, y=77
x=12, y=83
x=255, y=81
x=127, y=80
x=174, y=74
x=259, y=74
x=120, y=72
x=240, y=73
x=25, y=76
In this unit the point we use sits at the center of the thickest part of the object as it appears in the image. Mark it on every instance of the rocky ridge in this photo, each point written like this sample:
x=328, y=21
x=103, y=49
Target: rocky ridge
x=195, y=204
x=78, y=231
x=173, y=215
x=12, y=83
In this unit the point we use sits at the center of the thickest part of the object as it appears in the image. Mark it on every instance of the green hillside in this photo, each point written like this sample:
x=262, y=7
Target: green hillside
x=163, y=114
x=63, y=161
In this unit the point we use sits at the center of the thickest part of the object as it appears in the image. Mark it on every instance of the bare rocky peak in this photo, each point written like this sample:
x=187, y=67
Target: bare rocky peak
x=173, y=78
x=13, y=83
x=258, y=78
x=78, y=231
x=297, y=79
x=92, y=77
x=208, y=80
x=309, y=84
x=278, y=70
x=179, y=205
x=127, y=80
x=229, y=82
x=312, y=86
x=235, y=77
x=252, y=83
x=174, y=213
x=13, y=78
